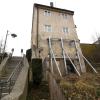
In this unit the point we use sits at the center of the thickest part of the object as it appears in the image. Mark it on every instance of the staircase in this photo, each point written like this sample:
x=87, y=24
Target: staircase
x=9, y=76
x=39, y=93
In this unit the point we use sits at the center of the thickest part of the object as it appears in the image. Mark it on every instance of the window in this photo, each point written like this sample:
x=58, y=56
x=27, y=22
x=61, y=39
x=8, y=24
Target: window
x=64, y=16
x=47, y=13
x=72, y=43
x=65, y=29
x=48, y=28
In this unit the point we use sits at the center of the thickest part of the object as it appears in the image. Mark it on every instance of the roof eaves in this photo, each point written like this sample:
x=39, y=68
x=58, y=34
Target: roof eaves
x=54, y=8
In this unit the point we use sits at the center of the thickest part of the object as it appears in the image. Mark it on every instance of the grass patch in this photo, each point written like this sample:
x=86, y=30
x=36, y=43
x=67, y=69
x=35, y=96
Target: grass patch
x=81, y=88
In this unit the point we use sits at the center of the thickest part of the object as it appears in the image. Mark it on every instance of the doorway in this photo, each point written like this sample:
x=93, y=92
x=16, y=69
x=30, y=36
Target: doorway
x=70, y=67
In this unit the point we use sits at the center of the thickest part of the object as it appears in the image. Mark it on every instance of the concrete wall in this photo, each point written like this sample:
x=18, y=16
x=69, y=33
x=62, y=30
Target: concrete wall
x=82, y=68
x=57, y=23
x=2, y=65
x=19, y=91
x=55, y=91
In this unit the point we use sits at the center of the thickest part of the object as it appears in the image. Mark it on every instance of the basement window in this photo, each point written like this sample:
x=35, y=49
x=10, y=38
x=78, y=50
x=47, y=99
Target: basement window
x=72, y=43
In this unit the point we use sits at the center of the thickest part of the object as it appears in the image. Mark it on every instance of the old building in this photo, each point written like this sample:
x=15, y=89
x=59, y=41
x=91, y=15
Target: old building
x=54, y=39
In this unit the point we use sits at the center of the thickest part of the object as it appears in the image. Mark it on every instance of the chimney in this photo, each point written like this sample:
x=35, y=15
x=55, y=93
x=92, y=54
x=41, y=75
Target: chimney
x=51, y=4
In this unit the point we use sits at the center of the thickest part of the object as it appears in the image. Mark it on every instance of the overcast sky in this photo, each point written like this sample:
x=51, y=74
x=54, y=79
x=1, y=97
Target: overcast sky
x=16, y=16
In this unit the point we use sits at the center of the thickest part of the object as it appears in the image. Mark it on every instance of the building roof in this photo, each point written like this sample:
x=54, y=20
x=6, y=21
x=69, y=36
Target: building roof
x=54, y=9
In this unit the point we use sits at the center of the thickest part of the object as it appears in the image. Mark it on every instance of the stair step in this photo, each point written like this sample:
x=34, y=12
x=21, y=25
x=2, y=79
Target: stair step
x=4, y=94
x=9, y=68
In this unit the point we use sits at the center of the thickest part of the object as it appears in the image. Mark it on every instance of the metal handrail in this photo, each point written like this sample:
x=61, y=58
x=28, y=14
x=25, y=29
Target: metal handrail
x=8, y=82
x=14, y=71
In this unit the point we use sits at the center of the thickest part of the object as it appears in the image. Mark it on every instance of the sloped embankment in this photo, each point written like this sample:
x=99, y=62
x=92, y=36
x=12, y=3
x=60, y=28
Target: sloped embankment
x=86, y=87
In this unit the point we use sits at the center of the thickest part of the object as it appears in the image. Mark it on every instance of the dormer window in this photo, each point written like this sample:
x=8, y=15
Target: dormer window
x=47, y=13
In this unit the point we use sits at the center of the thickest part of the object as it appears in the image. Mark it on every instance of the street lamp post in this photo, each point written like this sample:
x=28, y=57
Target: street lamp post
x=13, y=35
x=5, y=42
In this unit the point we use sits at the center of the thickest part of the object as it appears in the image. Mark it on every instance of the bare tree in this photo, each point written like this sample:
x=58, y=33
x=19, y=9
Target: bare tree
x=96, y=38
x=1, y=46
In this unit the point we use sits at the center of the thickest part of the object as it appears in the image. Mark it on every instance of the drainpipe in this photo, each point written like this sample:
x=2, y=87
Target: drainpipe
x=37, y=25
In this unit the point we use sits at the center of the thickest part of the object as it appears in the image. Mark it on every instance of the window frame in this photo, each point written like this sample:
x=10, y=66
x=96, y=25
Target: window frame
x=72, y=43
x=47, y=12
x=64, y=15
x=65, y=30
x=47, y=28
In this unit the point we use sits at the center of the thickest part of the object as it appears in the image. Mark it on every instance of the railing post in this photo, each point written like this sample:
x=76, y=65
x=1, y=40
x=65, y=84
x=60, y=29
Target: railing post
x=0, y=92
x=9, y=85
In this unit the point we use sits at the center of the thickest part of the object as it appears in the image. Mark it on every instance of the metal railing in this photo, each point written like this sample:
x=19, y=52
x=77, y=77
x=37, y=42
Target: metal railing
x=7, y=85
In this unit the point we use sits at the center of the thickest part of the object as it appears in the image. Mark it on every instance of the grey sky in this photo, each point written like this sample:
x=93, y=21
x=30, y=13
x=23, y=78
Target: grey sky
x=16, y=16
